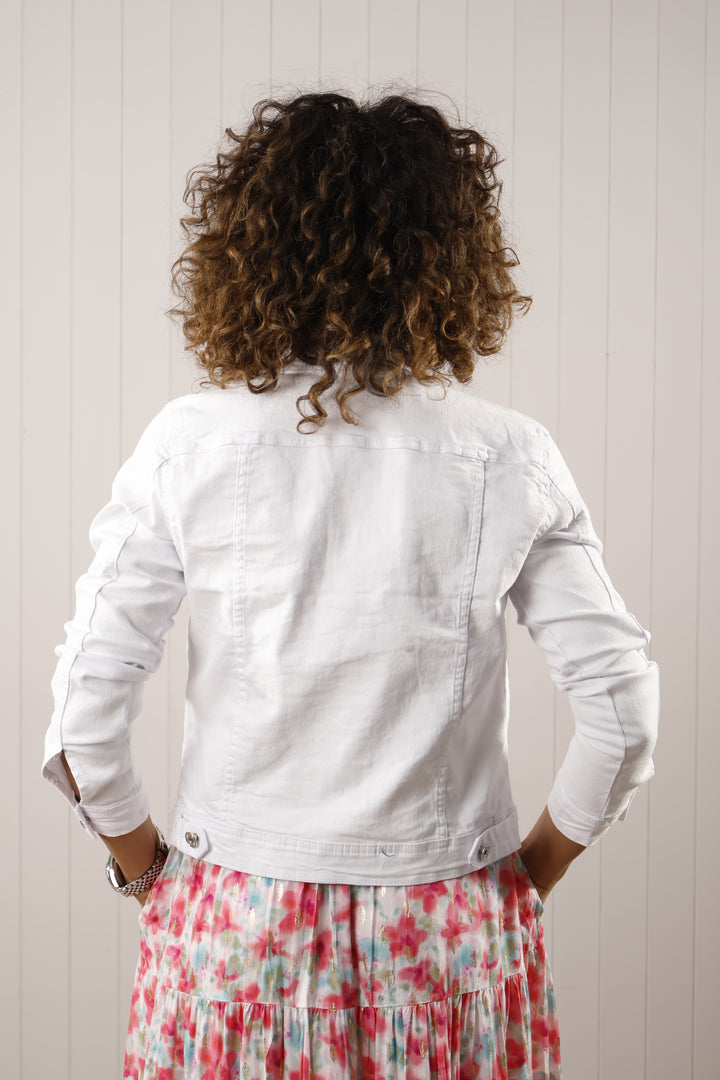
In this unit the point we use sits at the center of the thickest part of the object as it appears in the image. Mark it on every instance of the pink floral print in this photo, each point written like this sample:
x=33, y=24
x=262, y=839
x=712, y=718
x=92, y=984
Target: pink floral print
x=248, y=978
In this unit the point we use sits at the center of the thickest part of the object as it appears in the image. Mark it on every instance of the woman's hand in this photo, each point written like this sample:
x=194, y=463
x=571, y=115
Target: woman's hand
x=542, y=892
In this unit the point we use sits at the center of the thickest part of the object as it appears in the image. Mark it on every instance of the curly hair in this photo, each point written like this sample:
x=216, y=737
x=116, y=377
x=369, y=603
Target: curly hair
x=360, y=238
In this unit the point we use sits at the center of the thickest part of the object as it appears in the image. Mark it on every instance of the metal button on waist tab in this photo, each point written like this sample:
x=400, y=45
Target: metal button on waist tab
x=479, y=851
x=195, y=841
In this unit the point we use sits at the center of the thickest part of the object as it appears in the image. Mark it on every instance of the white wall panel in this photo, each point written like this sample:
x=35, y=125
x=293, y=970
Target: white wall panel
x=295, y=48
x=442, y=52
x=393, y=36
x=628, y=499
x=11, y=192
x=676, y=508
x=706, y=1030
x=44, y=524
x=246, y=58
x=607, y=115
x=344, y=45
x=95, y=455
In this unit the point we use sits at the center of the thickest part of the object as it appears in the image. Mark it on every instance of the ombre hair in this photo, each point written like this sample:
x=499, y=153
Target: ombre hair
x=363, y=238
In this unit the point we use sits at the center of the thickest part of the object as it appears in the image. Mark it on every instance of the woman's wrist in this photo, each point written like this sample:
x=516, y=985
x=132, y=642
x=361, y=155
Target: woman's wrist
x=547, y=853
x=134, y=852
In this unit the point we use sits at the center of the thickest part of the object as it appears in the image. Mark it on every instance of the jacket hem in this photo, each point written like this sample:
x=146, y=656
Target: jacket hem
x=292, y=858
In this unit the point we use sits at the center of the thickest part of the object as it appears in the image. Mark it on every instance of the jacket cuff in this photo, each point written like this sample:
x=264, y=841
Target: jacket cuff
x=122, y=817
x=113, y=820
x=576, y=825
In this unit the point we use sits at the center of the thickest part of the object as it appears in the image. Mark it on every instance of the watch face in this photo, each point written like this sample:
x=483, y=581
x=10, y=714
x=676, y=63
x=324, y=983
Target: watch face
x=114, y=875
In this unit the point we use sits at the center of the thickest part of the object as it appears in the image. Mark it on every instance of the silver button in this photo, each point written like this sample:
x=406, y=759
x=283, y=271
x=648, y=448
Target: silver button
x=479, y=852
x=192, y=839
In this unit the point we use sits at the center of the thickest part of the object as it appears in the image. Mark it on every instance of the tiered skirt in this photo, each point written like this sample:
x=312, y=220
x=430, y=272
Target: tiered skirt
x=243, y=977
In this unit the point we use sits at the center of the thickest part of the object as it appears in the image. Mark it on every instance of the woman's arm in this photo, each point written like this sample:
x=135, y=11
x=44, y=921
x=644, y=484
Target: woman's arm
x=125, y=604
x=133, y=852
x=595, y=649
x=547, y=853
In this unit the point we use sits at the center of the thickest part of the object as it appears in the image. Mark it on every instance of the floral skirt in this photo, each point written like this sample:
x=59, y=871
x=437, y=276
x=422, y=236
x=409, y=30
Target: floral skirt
x=250, y=977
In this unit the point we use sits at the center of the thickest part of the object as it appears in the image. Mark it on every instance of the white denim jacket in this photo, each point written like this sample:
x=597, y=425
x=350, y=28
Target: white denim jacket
x=347, y=699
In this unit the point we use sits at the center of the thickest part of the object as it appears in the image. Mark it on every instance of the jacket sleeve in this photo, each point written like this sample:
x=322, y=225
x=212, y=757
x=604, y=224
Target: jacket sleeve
x=125, y=605
x=596, y=652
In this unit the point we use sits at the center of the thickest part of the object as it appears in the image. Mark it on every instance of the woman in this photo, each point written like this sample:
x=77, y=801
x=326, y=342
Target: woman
x=345, y=892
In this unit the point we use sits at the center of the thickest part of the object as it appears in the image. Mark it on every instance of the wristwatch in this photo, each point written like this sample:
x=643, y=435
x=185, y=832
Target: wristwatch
x=140, y=884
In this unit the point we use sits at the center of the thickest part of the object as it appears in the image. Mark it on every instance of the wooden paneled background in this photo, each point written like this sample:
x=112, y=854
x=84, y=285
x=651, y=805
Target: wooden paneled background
x=608, y=115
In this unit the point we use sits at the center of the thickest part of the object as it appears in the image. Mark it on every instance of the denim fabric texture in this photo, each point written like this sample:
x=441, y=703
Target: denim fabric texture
x=347, y=703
